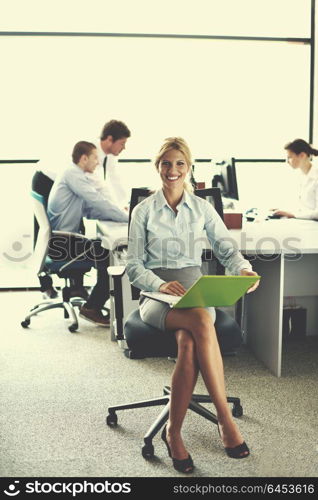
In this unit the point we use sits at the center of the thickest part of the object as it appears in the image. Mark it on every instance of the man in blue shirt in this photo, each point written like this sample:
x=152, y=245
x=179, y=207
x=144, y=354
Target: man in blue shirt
x=72, y=197
x=113, y=140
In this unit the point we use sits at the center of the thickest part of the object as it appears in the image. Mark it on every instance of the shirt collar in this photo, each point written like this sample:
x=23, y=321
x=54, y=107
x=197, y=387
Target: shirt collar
x=187, y=199
x=312, y=172
x=77, y=167
x=161, y=200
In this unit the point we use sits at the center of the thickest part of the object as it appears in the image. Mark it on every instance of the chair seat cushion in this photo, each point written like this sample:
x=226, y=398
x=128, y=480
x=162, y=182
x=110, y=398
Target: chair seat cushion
x=146, y=341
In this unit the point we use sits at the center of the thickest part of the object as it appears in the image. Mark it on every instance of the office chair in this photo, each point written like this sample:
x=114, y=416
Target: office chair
x=63, y=269
x=146, y=341
x=42, y=184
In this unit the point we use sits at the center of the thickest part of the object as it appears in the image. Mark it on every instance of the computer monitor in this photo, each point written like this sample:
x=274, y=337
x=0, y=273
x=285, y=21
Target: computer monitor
x=226, y=179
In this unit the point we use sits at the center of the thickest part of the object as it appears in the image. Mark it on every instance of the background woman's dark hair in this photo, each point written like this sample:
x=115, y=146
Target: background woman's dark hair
x=300, y=146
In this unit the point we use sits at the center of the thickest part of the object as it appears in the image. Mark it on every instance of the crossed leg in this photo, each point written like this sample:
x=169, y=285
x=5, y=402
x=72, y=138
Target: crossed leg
x=199, y=350
x=183, y=381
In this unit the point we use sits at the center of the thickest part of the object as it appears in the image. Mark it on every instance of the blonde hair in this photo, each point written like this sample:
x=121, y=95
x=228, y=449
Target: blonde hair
x=178, y=144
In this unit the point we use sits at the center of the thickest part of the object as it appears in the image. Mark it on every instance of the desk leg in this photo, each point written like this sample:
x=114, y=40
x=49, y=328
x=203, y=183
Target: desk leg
x=128, y=305
x=265, y=313
x=112, y=320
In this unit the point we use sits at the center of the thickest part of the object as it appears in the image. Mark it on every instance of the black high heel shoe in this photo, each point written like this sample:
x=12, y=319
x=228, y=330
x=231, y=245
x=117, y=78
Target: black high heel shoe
x=186, y=465
x=237, y=451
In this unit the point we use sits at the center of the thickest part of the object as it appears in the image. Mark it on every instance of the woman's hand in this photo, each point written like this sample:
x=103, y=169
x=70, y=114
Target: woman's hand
x=283, y=213
x=246, y=272
x=172, y=288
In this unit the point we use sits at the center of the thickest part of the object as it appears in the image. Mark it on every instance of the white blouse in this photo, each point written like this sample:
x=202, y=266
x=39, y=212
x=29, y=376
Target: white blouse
x=308, y=196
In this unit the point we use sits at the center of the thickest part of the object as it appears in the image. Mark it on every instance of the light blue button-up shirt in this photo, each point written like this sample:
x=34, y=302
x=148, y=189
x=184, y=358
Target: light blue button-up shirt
x=160, y=238
x=74, y=196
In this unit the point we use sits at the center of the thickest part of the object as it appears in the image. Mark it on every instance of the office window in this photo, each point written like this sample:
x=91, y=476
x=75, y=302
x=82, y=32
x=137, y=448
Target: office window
x=227, y=98
x=267, y=185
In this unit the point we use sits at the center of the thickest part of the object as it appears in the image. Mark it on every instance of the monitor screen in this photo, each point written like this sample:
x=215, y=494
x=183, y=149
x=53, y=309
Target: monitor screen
x=226, y=180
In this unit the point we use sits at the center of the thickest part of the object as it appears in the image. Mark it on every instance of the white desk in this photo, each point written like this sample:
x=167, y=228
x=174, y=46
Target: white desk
x=277, y=236
x=113, y=234
x=285, y=253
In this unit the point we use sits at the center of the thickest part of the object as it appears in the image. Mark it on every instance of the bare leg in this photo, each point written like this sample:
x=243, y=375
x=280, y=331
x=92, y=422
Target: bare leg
x=198, y=322
x=184, y=378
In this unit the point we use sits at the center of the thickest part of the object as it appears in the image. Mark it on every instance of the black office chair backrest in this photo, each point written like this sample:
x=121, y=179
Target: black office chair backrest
x=213, y=196
x=42, y=184
x=137, y=195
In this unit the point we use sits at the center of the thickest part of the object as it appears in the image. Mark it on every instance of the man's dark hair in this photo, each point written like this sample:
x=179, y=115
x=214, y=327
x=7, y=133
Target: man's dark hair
x=82, y=148
x=116, y=129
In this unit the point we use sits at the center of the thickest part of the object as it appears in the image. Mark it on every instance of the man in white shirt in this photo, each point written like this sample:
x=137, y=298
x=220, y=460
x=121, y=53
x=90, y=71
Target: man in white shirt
x=113, y=140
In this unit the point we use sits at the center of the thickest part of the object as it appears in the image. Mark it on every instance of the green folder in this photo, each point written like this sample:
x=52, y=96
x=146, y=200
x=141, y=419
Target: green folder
x=208, y=291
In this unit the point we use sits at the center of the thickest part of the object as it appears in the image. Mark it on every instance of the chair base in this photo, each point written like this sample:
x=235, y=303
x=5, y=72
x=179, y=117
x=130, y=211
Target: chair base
x=194, y=405
x=67, y=305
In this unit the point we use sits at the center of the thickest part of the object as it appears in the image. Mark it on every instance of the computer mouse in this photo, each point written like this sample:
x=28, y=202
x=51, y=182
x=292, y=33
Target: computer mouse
x=274, y=216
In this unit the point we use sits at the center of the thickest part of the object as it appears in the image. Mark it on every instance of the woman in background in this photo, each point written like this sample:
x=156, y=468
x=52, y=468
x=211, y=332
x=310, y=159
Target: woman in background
x=299, y=156
x=163, y=256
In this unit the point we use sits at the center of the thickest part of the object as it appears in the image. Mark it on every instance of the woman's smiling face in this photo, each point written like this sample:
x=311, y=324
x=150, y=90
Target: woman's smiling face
x=173, y=169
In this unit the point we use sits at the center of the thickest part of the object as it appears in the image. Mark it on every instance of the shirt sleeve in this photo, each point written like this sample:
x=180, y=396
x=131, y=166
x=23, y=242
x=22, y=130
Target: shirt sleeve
x=139, y=276
x=304, y=213
x=223, y=246
x=97, y=206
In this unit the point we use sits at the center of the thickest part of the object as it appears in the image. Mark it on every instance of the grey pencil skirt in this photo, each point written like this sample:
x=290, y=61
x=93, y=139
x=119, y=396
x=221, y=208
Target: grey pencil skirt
x=154, y=313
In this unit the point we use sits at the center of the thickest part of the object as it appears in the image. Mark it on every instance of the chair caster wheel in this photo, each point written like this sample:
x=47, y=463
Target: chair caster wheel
x=111, y=420
x=25, y=323
x=73, y=328
x=148, y=451
x=237, y=411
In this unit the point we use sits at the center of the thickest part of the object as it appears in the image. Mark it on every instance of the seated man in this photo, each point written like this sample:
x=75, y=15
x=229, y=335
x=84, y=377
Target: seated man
x=72, y=197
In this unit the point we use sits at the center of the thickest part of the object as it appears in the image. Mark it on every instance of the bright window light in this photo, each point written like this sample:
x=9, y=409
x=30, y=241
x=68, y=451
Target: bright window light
x=267, y=185
x=226, y=98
